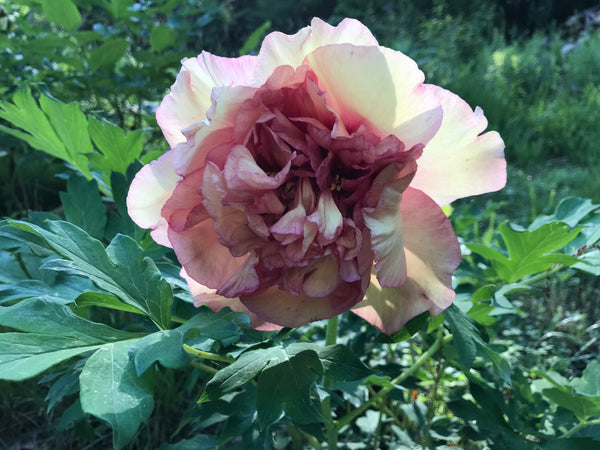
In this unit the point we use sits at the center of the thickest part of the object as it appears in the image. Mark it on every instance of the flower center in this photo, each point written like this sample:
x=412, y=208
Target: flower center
x=337, y=184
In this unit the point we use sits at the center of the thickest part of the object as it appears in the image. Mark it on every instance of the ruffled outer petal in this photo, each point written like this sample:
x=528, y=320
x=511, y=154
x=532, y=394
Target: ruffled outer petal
x=282, y=308
x=280, y=49
x=209, y=297
x=432, y=254
x=385, y=225
x=192, y=232
x=458, y=161
x=190, y=96
x=151, y=188
x=379, y=87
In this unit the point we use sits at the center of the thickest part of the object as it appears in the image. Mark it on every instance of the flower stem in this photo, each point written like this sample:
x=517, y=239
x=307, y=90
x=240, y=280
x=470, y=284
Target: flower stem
x=580, y=426
x=332, y=329
x=399, y=379
x=331, y=429
x=207, y=355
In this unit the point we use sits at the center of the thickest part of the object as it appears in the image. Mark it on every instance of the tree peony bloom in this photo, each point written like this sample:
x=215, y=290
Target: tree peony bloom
x=307, y=181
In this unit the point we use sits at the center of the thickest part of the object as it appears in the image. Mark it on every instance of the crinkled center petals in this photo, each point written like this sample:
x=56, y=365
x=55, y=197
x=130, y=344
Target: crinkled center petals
x=293, y=205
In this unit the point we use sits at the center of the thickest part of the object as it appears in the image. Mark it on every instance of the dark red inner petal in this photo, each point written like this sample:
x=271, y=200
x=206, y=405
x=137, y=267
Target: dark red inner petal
x=293, y=188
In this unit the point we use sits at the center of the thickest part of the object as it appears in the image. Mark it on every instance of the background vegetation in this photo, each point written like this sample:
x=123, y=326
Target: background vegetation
x=534, y=68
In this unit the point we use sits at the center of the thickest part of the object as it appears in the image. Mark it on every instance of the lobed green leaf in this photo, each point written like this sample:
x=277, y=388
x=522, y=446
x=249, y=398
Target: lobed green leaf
x=112, y=391
x=121, y=269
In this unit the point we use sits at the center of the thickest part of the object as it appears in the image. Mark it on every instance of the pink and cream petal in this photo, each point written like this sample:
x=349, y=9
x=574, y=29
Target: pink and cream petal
x=181, y=108
x=377, y=87
x=191, y=95
x=388, y=309
x=282, y=308
x=184, y=208
x=280, y=49
x=327, y=217
x=151, y=188
x=459, y=161
x=385, y=224
x=324, y=278
x=432, y=254
x=348, y=31
x=242, y=172
x=209, y=297
x=204, y=258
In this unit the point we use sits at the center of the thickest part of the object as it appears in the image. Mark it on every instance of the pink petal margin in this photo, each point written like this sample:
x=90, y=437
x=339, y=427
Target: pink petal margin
x=293, y=311
x=209, y=297
x=432, y=254
x=280, y=49
x=151, y=188
x=190, y=96
x=378, y=87
x=459, y=161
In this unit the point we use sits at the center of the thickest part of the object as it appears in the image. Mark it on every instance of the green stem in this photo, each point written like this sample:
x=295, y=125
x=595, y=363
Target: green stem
x=579, y=426
x=542, y=275
x=432, y=398
x=330, y=425
x=207, y=369
x=207, y=355
x=332, y=329
x=313, y=440
x=398, y=380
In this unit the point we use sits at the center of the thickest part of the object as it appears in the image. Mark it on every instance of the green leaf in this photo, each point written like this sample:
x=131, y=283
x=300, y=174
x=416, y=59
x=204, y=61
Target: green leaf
x=61, y=292
x=58, y=129
x=118, y=9
x=529, y=252
x=570, y=443
x=338, y=361
x=25, y=355
x=166, y=347
x=121, y=222
x=62, y=12
x=105, y=56
x=287, y=384
x=469, y=343
x=101, y=300
x=51, y=334
x=11, y=272
x=71, y=416
x=582, y=406
x=112, y=391
x=481, y=301
x=38, y=315
x=570, y=210
x=286, y=375
x=70, y=125
x=466, y=336
x=162, y=36
x=117, y=149
x=223, y=325
x=66, y=384
x=500, y=262
x=255, y=38
x=83, y=206
x=121, y=269
x=412, y=327
x=240, y=372
x=589, y=383
x=199, y=442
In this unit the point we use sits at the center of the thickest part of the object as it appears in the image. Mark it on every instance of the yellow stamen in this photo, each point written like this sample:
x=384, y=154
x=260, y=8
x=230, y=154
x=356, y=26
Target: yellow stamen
x=337, y=184
x=290, y=186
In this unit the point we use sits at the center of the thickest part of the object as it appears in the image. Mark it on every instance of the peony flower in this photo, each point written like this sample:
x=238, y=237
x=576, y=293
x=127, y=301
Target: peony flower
x=308, y=180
